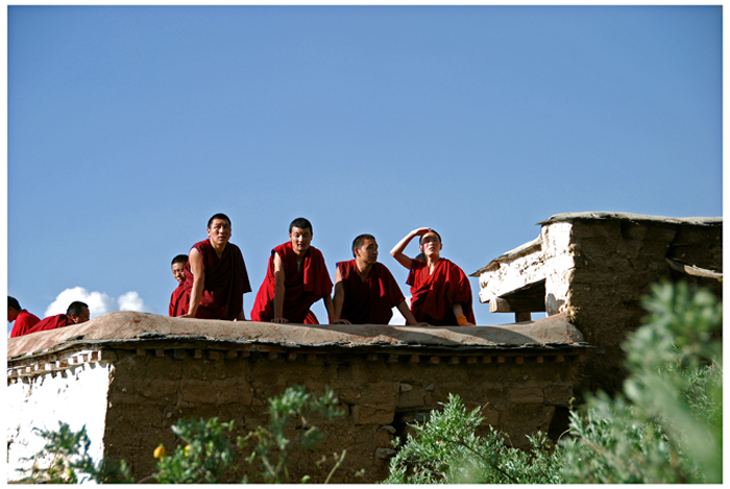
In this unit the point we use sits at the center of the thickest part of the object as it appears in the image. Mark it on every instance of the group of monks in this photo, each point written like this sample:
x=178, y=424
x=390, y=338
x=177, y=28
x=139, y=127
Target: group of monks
x=26, y=323
x=212, y=280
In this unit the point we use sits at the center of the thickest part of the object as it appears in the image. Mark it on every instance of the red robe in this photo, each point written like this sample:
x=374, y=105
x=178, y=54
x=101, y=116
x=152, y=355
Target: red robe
x=51, y=322
x=226, y=280
x=433, y=296
x=370, y=301
x=304, y=287
x=23, y=322
x=179, y=301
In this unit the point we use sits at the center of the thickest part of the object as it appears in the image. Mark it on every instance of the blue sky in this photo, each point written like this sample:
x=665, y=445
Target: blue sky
x=128, y=127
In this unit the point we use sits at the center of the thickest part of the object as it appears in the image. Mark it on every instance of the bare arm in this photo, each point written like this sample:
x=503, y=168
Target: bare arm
x=459, y=311
x=196, y=266
x=397, y=251
x=330, y=308
x=338, y=301
x=410, y=319
x=279, y=290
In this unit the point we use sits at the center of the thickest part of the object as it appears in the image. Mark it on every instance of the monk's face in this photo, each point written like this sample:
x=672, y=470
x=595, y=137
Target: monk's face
x=430, y=244
x=82, y=317
x=219, y=232
x=367, y=254
x=12, y=314
x=300, y=239
x=178, y=271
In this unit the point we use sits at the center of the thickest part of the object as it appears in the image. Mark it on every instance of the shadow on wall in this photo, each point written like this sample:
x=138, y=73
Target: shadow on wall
x=553, y=304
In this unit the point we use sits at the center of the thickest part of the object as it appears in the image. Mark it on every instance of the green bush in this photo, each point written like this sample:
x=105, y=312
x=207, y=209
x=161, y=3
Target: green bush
x=70, y=460
x=272, y=446
x=666, y=426
x=207, y=453
x=447, y=450
x=205, y=457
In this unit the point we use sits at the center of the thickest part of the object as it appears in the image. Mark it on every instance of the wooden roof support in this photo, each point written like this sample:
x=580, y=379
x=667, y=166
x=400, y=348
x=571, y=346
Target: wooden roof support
x=692, y=269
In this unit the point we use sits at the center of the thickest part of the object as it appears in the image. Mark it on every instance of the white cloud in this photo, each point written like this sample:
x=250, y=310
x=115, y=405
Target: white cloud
x=99, y=303
x=131, y=301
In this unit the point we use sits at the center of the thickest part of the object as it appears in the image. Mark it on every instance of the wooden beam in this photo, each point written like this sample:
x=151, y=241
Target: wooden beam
x=693, y=270
x=521, y=317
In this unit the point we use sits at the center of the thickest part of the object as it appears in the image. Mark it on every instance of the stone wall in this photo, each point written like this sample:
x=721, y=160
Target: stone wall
x=595, y=268
x=615, y=263
x=385, y=378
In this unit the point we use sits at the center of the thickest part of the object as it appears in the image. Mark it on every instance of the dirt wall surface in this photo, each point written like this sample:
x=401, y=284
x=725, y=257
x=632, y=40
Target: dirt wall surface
x=380, y=396
x=617, y=257
x=162, y=370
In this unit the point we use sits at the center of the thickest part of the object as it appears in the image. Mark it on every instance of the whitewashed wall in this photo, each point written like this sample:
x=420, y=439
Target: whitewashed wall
x=76, y=395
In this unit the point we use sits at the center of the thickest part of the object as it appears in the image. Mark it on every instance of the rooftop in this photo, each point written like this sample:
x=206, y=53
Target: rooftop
x=128, y=329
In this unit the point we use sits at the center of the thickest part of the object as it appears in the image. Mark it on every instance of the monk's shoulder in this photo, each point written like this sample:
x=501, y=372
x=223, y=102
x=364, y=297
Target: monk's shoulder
x=345, y=268
x=234, y=250
x=203, y=247
x=454, y=272
x=382, y=270
x=314, y=252
x=316, y=257
x=283, y=250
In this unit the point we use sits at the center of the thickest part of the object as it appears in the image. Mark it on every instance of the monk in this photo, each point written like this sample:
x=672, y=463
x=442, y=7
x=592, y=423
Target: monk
x=180, y=299
x=77, y=313
x=365, y=290
x=215, y=275
x=23, y=319
x=295, y=279
x=441, y=294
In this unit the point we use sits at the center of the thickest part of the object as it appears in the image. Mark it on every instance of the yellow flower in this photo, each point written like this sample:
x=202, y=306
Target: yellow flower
x=159, y=452
x=186, y=450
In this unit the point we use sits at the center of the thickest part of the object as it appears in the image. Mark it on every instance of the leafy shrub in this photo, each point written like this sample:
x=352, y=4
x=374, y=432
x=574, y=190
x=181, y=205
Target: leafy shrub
x=205, y=457
x=206, y=454
x=447, y=450
x=71, y=462
x=272, y=447
x=666, y=426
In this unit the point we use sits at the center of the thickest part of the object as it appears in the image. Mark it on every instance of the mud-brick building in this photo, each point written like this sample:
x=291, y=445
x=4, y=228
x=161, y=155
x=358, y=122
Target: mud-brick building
x=129, y=376
x=594, y=268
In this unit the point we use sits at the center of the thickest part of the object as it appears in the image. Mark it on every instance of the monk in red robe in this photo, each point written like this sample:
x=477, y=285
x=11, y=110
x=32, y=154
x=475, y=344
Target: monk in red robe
x=365, y=290
x=77, y=313
x=23, y=319
x=215, y=275
x=296, y=278
x=180, y=299
x=440, y=290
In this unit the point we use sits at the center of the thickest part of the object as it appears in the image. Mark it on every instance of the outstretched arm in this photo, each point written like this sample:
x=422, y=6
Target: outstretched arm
x=279, y=290
x=196, y=266
x=397, y=251
x=331, y=309
x=338, y=301
x=459, y=311
x=410, y=319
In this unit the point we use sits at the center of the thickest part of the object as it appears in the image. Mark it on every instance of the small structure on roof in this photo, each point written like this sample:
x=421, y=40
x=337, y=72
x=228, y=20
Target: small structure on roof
x=594, y=267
